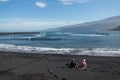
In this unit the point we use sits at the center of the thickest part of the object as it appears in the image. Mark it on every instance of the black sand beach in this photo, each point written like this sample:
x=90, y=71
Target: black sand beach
x=18, y=66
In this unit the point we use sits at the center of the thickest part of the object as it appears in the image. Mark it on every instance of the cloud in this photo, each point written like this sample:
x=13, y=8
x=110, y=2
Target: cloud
x=41, y=4
x=69, y=2
x=4, y=0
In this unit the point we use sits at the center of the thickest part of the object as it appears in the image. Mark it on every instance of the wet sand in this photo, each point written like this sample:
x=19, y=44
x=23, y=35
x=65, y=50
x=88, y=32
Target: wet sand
x=18, y=66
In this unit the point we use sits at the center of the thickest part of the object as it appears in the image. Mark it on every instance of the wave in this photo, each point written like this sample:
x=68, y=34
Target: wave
x=47, y=36
x=40, y=35
x=39, y=38
x=30, y=38
x=87, y=35
x=77, y=34
x=115, y=52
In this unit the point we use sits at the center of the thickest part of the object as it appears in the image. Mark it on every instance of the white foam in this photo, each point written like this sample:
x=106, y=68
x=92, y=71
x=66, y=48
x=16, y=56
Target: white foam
x=72, y=34
x=71, y=51
x=87, y=35
x=40, y=35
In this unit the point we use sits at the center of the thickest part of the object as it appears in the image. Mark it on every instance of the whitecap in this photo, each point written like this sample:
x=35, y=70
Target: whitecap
x=71, y=51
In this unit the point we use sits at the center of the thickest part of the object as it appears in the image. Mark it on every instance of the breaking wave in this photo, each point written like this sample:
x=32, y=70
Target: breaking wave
x=77, y=34
x=115, y=52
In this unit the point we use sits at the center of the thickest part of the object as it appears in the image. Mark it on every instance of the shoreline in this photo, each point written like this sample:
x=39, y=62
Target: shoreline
x=56, y=54
x=24, y=66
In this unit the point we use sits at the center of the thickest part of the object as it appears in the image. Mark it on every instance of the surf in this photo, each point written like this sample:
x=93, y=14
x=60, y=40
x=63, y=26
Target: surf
x=115, y=52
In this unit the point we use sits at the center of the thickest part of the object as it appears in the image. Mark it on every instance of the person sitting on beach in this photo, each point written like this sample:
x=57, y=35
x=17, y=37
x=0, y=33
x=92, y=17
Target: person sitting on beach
x=73, y=64
x=83, y=64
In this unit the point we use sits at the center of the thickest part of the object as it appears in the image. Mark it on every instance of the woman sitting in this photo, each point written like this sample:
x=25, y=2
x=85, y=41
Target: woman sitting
x=83, y=64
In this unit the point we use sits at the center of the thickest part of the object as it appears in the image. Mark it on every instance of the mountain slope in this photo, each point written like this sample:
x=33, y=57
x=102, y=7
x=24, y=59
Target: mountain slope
x=105, y=24
x=116, y=29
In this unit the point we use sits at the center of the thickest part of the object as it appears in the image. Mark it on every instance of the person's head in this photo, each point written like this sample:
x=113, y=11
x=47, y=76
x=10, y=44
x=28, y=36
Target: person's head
x=84, y=60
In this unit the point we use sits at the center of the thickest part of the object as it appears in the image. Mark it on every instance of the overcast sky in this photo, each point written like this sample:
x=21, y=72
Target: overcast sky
x=35, y=15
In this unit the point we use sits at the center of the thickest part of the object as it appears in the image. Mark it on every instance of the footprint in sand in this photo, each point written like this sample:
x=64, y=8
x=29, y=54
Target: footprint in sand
x=48, y=70
x=64, y=79
x=119, y=73
x=56, y=76
x=52, y=74
x=112, y=73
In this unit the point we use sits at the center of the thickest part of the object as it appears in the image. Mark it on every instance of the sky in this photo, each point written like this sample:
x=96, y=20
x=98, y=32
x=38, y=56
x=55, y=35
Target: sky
x=36, y=15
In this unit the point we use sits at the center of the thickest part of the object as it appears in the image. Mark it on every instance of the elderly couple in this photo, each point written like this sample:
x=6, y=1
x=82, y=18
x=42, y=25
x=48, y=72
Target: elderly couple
x=82, y=65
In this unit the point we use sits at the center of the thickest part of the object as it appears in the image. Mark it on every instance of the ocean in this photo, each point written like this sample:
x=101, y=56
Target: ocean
x=95, y=43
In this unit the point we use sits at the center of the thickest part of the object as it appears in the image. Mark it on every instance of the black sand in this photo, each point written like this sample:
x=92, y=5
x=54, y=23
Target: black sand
x=17, y=66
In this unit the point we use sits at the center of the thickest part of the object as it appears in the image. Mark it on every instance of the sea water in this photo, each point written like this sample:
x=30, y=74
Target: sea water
x=95, y=43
